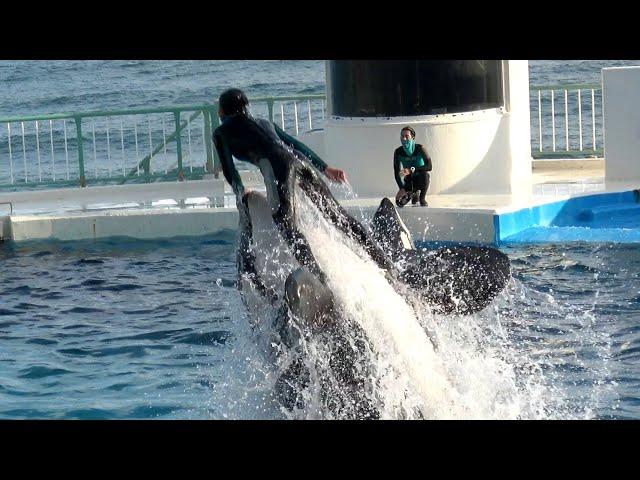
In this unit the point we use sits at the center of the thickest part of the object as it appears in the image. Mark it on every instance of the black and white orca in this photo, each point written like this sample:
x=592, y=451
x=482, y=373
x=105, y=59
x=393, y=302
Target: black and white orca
x=455, y=280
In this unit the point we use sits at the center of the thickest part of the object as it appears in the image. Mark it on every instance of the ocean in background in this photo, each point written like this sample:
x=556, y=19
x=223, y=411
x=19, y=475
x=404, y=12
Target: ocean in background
x=55, y=86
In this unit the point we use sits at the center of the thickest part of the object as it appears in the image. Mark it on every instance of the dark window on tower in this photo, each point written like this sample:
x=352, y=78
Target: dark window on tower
x=387, y=88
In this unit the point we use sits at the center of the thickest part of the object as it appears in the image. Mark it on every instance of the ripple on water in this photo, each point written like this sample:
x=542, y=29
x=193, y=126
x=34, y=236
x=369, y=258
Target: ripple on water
x=117, y=387
x=93, y=282
x=186, y=290
x=151, y=411
x=155, y=335
x=44, y=253
x=219, y=337
x=30, y=306
x=83, y=310
x=51, y=296
x=40, y=371
x=89, y=261
x=26, y=413
x=131, y=351
x=88, y=413
x=42, y=341
x=119, y=287
x=21, y=290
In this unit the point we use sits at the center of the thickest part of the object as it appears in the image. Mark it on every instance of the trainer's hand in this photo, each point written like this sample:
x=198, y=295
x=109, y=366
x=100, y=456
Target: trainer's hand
x=406, y=172
x=335, y=174
x=402, y=192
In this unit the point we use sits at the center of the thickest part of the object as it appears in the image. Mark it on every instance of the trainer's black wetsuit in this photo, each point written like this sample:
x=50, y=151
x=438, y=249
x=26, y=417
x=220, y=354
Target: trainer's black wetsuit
x=280, y=158
x=419, y=179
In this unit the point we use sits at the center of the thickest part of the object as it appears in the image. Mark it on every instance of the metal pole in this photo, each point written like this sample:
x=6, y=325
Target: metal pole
x=270, y=107
x=282, y=114
x=108, y=147
x=539, y=121
x=593, y=117
x=135, y=135
x=164, y=142
x=83, y=181
x=53, y=155
x=176, y=116
x=580, y=118
x=189, y=138
x=66, y=147
x=566, y=122
x=95, y=154
x=207, y=141
x=38, y=151
x=553, y=122
x=122, y=148
x=217, y=166
x=147, y=164
x=24, y=155
x=10, y=155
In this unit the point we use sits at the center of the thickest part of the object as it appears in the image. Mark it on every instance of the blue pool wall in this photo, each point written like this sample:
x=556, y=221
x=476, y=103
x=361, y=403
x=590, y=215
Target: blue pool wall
x=608, y=212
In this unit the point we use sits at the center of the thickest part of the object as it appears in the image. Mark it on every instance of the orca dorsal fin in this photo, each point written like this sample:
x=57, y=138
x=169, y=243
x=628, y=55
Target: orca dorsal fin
x=390, y=231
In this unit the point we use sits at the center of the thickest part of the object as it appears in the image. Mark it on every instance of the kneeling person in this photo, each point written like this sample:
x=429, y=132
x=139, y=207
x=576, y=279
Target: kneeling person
x=412, y=162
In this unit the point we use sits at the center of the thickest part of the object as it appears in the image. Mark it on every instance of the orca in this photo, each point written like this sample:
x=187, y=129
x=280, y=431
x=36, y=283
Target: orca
x=451, y=280
x=271, y=281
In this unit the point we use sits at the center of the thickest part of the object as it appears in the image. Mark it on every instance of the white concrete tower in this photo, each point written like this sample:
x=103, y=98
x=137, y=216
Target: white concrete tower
x=472, y=117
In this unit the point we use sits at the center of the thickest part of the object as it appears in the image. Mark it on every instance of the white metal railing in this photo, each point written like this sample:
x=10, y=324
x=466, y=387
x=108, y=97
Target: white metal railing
x=573, y=122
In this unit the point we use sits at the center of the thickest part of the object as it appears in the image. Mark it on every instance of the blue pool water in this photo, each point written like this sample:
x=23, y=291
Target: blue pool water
x=157, y=329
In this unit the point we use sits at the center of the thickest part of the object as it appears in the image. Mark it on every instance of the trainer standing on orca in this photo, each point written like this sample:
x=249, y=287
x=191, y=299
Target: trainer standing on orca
x=281, y=158
x=413, y=162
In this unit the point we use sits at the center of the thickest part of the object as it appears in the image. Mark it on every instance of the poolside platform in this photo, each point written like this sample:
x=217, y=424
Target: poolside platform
x=204, y=207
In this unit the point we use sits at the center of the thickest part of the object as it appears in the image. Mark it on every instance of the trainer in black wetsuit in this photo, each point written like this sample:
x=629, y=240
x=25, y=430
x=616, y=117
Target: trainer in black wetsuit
x=412, y=159
x=280, y=158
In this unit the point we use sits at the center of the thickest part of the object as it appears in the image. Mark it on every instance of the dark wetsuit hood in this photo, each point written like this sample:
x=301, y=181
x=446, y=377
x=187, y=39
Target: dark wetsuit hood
x=233, y=101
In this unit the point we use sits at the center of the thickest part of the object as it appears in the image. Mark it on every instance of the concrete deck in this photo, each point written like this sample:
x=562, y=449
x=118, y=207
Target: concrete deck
x=162, y=210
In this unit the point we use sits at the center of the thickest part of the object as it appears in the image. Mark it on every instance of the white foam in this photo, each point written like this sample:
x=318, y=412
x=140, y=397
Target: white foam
x=390, y=323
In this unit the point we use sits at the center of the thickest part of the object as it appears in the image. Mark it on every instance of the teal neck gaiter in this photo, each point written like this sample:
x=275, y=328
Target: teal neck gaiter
x=409, y=146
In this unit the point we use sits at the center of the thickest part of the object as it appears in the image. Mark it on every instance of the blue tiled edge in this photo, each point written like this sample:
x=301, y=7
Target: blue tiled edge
x=565, y=213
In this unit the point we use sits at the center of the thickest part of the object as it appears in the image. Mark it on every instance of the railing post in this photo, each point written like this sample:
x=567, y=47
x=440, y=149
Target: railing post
x=208, y=146
x=176, y=116
x=217, y=166
x=78, y=120
x=270, y=107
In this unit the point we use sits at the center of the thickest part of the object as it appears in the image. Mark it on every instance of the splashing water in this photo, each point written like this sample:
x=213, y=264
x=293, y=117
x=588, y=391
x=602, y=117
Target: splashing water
x=468, y=374
x=509, y=361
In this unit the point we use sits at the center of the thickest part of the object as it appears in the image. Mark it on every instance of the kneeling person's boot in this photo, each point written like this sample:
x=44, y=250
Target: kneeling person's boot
x=423, y=200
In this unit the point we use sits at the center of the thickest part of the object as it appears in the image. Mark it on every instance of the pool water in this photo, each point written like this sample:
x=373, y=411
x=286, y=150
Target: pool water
x=157, y=329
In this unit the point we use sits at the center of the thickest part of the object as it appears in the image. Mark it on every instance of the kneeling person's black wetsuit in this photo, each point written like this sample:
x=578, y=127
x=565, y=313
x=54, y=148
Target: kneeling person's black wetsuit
x=280, y=158
x=418, y=179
